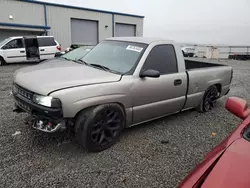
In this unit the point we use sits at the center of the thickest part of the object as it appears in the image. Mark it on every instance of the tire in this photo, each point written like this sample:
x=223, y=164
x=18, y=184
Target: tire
x=100, y=127
x=2, y=61
x=209, y=99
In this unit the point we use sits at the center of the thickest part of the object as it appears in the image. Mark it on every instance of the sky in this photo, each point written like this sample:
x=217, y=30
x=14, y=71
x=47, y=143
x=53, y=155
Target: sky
x=220, y=22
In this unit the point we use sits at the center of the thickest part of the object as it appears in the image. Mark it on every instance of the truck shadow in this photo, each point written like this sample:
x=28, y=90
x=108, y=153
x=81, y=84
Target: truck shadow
x=66, y=141
x=148, y=125
x=191, y=113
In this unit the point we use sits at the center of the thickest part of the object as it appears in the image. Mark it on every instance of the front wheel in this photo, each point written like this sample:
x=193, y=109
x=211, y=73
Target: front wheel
x=209, y=100
x=100, y=127
x=2, y=62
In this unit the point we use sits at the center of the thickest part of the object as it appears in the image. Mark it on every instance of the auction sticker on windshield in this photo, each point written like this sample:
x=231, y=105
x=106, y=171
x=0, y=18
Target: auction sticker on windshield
x=134, y=48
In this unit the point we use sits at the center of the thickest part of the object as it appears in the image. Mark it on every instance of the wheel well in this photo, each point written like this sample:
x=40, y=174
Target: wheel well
x=120, y=104
x=218, y=86
x=2, y=59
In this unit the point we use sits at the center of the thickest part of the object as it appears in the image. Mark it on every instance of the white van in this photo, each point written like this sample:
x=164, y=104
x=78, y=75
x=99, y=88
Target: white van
x=28, y=48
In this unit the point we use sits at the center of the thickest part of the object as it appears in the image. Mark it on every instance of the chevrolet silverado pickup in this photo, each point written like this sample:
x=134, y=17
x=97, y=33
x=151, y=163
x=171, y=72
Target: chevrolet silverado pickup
x=121, y=82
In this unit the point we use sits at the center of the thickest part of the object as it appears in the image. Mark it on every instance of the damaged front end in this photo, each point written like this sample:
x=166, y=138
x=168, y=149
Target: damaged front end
x=49, y=126
x=43, y=118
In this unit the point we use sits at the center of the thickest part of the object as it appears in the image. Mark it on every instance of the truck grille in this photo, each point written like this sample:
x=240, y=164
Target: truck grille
x=23, y=105
x=23, y=92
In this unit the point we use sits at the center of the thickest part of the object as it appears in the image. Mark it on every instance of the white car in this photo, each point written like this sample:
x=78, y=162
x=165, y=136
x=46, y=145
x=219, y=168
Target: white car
x=188, y=51
x=28, y=49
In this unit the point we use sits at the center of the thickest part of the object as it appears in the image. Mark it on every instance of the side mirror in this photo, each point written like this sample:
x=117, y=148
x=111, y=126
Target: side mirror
x=238, y=107
x=150, y=73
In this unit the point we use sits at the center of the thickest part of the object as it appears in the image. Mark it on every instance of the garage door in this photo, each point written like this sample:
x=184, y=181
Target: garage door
x=5, y=33
x=125, y=30
x=84, y=32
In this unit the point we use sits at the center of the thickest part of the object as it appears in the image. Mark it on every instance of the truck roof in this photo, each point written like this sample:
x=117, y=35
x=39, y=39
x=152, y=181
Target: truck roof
x=146, y=40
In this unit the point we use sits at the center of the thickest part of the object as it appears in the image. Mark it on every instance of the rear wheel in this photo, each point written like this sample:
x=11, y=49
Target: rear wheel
x=100, y=127
x=209, y=100
x=2, y=62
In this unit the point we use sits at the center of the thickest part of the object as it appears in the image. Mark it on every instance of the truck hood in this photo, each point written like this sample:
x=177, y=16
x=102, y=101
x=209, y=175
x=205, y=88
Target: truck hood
x=57, y=74
x=233, y=168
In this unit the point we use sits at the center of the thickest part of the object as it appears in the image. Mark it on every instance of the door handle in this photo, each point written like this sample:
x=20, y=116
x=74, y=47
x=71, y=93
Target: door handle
x=22, y=51
x=42, y=50
x=177, y=82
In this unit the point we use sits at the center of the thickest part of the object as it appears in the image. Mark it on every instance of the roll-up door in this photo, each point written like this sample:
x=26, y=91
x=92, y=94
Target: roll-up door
x=125, y=30
x=84, y=32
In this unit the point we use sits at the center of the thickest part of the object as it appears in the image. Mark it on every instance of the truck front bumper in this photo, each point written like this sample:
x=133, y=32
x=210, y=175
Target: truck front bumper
x=43, y=118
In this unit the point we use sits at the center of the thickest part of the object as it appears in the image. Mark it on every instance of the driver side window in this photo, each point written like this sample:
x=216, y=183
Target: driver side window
x=163, y=59
x=16, y=43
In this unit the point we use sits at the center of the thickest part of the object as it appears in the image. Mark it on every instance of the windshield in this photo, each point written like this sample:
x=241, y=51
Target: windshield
x=117, y=56
x=77, y=53
x=4, y=41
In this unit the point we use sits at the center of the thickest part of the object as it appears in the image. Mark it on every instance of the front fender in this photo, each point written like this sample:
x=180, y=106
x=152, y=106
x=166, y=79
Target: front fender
x=77, y=99
x=82, y=104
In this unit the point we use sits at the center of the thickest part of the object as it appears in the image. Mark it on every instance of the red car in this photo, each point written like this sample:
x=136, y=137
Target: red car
x=228, y=164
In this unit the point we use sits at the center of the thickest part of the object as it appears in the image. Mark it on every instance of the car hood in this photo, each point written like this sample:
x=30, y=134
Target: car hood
x=57, y=74
x=233, y=167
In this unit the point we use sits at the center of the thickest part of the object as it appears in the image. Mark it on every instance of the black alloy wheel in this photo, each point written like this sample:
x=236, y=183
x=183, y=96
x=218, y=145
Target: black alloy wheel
x=100, y=127
x=2, y=62
x=106, y=127
x=210, y=99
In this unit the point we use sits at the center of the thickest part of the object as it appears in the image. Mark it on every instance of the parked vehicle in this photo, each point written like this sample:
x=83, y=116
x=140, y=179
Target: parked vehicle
x=76, y=53
x=240, y=56
x=121, y=82
x=26, y=49
x=75, y=46
x=227, y=164
x=188, y=51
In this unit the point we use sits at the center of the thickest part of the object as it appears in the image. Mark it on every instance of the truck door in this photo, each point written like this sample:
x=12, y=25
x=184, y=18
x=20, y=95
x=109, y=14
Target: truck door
x=14, y=51
x=155, y=97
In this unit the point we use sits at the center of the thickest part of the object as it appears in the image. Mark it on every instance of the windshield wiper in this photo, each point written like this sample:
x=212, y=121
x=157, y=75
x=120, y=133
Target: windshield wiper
x=66, y=58
x=80, y=61
x=95, y=65
x=103, y=68
x=100, y=66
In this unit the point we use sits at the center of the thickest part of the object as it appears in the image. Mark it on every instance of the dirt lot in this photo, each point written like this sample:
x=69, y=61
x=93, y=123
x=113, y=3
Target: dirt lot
x=33, y=159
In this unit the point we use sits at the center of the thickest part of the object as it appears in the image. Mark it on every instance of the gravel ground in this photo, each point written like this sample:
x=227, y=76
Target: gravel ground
x=34, y=159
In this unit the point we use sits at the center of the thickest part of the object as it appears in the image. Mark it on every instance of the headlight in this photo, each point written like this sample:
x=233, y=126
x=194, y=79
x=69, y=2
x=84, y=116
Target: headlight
x=47, y=101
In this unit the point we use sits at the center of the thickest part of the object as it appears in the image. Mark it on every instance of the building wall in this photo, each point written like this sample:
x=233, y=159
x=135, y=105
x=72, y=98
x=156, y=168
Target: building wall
x=131, y=20
x=224, y=51
x=61, y=28
x=23, y=12
x=59, y=19
x=212, y=53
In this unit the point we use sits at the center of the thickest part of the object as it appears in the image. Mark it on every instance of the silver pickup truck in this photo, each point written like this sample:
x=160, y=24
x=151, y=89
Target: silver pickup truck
x=120, y=83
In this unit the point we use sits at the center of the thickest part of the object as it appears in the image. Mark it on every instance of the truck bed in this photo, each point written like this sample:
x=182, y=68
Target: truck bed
x=193, y=64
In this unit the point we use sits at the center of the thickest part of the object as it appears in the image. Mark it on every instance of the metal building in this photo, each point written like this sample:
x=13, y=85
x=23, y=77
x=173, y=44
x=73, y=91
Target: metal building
x=68, y=24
